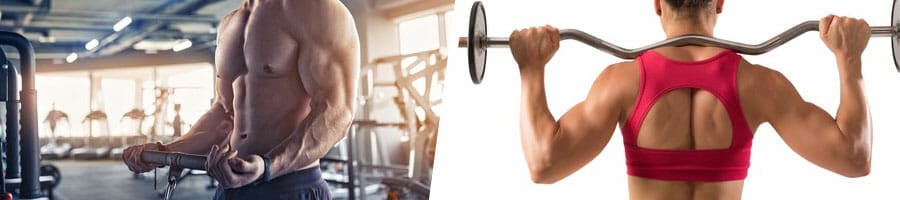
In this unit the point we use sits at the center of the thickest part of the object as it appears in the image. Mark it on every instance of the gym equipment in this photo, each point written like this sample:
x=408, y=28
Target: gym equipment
x=395, y=156
x=158, y=116
x=345, y=162
x=478, y=42
x=56, y=121
x=132, y=124
x=51, y=171
x=175, y=159
x=177, y=122
x=178, y=127
x=177, y=162
x=95, y=121
x=20, y=154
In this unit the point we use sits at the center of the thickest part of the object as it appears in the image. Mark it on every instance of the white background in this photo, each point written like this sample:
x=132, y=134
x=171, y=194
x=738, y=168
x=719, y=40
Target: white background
x=479, y=155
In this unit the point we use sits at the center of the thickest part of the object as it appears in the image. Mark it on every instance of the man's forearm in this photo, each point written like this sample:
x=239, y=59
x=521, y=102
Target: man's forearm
x=322, y=129
x=852, y=116
x=212, y=128
x=536, y=122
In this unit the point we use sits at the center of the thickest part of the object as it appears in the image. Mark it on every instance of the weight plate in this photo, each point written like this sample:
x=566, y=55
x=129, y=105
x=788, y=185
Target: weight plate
x=52, y=170
x=477, y=35
x=895, y=40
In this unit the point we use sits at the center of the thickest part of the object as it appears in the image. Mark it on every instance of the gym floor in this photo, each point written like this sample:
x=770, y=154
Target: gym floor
x=109, y=179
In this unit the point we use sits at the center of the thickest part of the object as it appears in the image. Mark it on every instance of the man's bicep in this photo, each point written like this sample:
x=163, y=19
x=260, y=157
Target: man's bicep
x=330, y=75
x=329, y=54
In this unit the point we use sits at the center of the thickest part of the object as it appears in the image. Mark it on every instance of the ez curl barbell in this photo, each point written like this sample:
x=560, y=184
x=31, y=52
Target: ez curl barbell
x=478, y=42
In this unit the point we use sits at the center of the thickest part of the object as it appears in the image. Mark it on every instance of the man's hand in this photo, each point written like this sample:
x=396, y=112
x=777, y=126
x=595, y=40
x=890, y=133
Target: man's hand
x=232, y=171
x=533, y=47
x=845, y=37
x=132, y=157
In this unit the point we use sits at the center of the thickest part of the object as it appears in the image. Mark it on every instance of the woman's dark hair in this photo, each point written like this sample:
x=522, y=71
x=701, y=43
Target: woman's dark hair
x=688, y=4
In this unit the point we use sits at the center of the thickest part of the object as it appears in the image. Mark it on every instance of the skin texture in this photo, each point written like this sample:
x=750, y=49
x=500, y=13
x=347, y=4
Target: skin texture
x=287, y=91
x=691, y=118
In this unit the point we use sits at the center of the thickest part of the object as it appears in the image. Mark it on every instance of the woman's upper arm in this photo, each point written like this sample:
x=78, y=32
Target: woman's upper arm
x=585, y=129
x=807, y=129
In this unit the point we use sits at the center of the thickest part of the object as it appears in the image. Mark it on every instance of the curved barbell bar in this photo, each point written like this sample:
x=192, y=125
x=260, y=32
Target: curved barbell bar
x=175, y=159
x=618, y=51
x=177, y=162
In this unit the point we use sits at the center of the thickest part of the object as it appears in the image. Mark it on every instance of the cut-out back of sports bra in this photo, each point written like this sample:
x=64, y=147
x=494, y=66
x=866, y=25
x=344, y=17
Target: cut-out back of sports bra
x=715, y=75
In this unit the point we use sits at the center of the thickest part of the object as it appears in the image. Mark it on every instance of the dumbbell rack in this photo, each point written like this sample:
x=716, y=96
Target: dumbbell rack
x=22, y=174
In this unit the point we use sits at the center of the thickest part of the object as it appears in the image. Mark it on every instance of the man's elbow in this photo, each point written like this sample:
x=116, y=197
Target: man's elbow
x=344, y=114
x=339, y=111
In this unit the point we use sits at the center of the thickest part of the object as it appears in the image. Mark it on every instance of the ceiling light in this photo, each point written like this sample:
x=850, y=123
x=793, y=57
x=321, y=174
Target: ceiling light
x=122, y=24
x=72, y=57
x=154, y=44
x=181, y=44
x=46, y=39
x=92, y=44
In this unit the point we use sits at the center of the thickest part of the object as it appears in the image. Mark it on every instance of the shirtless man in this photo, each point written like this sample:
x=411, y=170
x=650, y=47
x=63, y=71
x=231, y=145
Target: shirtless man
x=287, y=73
x=687, y=146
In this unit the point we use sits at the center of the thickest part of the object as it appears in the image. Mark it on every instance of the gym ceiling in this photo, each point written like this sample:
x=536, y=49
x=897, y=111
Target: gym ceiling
x=59, y=28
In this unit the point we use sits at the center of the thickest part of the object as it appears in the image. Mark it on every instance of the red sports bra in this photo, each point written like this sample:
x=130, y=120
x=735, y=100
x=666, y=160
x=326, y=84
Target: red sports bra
x=716, y=75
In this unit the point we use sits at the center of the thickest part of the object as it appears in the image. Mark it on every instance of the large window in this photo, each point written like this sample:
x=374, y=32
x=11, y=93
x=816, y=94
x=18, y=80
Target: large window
x=191, y=86
x=425, y=33
x=118, y=98
x=69, y=93
x=120, y=90
x=193, y=90
x=419, y=34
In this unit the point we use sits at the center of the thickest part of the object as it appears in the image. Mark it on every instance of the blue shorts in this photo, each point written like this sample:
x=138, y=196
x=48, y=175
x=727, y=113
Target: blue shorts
x=305, y=184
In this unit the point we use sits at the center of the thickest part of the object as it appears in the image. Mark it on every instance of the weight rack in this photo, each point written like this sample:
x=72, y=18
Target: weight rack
x=21, y=176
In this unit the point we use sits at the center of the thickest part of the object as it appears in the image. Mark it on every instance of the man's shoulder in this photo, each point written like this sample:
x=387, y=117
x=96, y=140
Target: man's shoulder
x=326, y=22
x=316, y=13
